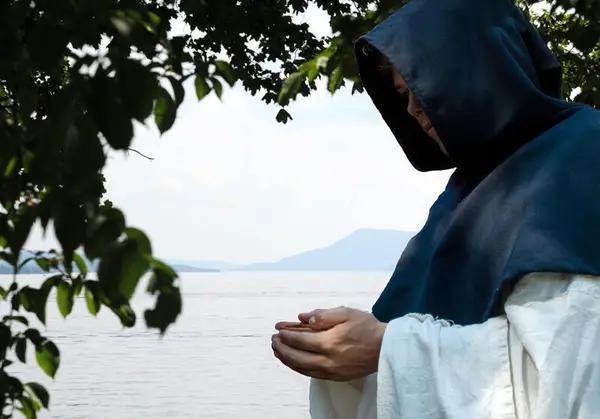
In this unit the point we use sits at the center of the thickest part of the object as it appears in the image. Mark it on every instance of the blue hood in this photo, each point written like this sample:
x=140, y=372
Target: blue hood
x=525, y=195
x=480, y=71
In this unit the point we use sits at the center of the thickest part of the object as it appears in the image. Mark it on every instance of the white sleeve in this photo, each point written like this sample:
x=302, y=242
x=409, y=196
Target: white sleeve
x=429, y=369
x=539, y=361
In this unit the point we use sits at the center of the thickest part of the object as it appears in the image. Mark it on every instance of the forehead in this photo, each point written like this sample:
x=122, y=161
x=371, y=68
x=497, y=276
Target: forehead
x=398, y=80
x=386, y=68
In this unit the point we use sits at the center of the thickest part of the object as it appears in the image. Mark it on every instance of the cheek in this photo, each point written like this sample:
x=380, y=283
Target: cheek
x=398, y=80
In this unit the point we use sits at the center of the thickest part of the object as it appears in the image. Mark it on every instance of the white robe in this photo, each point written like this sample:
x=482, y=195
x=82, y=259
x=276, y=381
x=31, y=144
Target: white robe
x=539, y=361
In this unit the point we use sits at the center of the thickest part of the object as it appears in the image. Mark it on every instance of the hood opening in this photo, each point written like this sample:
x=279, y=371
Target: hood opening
x=481, y=72
x=421, y=150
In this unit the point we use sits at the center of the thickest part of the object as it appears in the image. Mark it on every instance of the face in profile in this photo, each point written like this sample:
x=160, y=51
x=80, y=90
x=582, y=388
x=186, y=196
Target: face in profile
x=414, y=108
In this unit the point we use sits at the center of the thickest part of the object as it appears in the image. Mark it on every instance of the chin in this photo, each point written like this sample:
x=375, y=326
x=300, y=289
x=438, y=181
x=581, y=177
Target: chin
x=433, y=134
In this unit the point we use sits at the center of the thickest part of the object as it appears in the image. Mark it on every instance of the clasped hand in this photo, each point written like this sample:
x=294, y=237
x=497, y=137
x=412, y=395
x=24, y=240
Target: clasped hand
x=339, y=344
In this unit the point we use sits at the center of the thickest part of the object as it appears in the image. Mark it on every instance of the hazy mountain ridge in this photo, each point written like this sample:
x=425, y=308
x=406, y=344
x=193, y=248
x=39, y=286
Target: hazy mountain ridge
x=365, y=250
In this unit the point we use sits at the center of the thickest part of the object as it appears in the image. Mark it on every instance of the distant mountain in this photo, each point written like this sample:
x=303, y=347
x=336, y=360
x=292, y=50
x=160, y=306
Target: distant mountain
x=187, y=268
x=366, y=250
x=207, y=264
x=32, y=268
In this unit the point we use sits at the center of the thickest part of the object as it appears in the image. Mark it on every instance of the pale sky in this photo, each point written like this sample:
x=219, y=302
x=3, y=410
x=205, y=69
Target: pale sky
x=230, y=183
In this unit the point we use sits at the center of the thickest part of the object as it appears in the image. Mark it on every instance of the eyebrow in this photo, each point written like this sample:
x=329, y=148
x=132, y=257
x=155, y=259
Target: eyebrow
x=400, y=87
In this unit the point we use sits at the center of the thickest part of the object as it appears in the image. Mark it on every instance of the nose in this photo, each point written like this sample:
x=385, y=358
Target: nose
x=413, y=108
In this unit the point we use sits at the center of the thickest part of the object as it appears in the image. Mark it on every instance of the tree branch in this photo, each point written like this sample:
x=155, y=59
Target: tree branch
x=141, y=154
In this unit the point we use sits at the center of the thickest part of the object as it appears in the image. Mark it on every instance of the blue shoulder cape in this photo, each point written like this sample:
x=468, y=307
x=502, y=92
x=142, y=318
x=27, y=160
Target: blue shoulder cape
x=525, y=193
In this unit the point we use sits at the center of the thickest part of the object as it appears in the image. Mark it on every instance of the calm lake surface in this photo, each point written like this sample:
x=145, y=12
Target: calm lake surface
x=215, y=363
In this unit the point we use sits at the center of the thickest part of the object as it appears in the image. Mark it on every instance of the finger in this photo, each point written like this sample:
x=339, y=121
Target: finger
x=326, y=319
x=281, y=325
x=308, y=342
x=314, y=374
x=305, y=317
x=297, y=360
x=304, y=328
x=308, y=373
x=299, y=327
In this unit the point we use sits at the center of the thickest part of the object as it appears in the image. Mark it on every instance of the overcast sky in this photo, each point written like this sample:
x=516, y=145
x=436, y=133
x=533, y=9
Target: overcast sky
x=230, y=183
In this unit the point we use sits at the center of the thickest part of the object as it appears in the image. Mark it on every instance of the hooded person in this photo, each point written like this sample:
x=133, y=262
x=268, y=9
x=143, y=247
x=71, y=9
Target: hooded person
x=493, y=309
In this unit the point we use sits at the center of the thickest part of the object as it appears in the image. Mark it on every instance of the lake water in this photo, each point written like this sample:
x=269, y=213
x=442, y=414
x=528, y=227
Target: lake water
x=215, y=363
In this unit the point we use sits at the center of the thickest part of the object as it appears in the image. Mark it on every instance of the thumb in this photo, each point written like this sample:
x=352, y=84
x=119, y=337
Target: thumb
x=326, y=319
x=305, y=317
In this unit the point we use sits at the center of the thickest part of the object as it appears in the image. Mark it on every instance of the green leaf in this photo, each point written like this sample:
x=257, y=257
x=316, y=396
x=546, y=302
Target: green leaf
x=21, y=350
x=158, y=265
x=165, y=312
x=358, y=87
x=44, y=264
x=92, y=297
x=34, y=300
x=153, y=20
x=291, y=86
x=64, y=298
x=38, y=392
x=165, y=110
x=10, y=383
x=104, y=229
x=77, y=283
x=81, y=264
x=28, y=297
x=34, y=336
x=70, y=227
x=123, y=24
x=19, y=234
x=310, y=69
x=126, y=315
x=108, y=109
x=27, y=408
x=10, y=166
x=224, y=70
x=141, y=239
x=138, y=88
x=178, y=90
x=121, y=269
x=283, y=116
x=335, y=80
x=162, y=278
x=202, y=87
x=3, y=293
x=217, y=87
x=48, y=357
x=5, y=339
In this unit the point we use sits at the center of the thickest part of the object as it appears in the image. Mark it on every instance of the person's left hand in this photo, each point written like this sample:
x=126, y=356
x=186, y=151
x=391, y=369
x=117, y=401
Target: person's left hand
x=344, y=346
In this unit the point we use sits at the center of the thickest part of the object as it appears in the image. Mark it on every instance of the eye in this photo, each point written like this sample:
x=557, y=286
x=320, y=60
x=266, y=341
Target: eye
x=402, y=91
